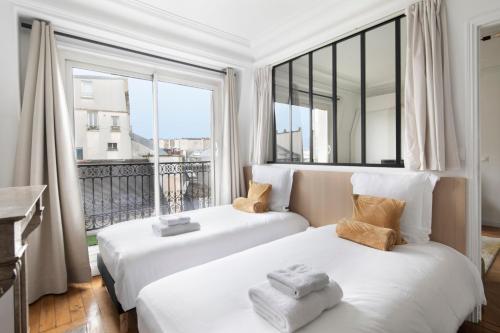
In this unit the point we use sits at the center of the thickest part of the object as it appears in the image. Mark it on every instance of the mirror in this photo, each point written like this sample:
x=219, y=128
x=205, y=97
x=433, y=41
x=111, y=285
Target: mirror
x=381, y=95
x=282, y=113
x=343, y=103
x=322, y=112
x=349, y=100
x=301, y=112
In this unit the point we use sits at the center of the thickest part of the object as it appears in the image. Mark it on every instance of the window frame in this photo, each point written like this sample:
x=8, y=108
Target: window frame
x=78, y=151
x=130, y=65
x=112, y=146
x=83, y=92
x=92, y=120
x=398, y=162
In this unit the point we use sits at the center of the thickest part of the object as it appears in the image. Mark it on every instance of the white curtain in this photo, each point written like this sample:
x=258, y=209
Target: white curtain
x=262, y=148
x=229, y=174
x=57, y=251
x=431, y=142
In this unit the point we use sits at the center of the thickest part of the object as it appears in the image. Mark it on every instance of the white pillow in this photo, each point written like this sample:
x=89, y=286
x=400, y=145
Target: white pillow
x=281, y=179
x=415, y=189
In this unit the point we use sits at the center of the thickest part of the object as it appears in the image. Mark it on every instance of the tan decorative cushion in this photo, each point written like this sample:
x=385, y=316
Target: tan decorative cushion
x=380, y=212
x=259, y=191
x=367, y=234
x=249, y=205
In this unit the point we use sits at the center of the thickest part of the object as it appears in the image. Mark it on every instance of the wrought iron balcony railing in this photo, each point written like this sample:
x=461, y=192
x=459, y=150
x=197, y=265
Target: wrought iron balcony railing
x=119, y=191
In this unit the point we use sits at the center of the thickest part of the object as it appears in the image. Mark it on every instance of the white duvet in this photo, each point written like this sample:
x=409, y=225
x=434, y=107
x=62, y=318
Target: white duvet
x=415, y=288
x=136, y=257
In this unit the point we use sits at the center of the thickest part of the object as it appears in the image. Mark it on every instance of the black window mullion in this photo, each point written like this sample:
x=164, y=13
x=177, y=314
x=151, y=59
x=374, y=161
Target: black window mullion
x=274, y=112
x=363, y=86
x=363, y=99
x=290, y=103
x=311, y=151
x=334, y=102
x=398, y=91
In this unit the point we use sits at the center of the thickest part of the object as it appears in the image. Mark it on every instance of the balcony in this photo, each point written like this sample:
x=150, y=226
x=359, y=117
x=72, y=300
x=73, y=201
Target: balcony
x=115, y=128
x=118, y=191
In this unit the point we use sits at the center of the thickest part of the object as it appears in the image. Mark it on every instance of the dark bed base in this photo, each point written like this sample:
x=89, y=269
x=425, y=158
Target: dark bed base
x=109, y=283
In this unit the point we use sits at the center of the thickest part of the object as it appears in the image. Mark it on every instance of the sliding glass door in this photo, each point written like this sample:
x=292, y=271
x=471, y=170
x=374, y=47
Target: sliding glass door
x=142, y=146
x=185, y=147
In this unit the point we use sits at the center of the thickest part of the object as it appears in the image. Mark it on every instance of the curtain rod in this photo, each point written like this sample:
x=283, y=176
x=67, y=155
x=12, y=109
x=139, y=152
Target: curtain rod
x=83, y=39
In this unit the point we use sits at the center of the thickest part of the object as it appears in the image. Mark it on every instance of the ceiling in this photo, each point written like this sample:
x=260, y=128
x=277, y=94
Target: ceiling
x=246, y=19
x=213, y=32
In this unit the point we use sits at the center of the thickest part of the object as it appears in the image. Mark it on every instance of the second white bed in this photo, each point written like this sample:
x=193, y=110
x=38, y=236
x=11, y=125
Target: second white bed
x=135, y=257
x=415, y=288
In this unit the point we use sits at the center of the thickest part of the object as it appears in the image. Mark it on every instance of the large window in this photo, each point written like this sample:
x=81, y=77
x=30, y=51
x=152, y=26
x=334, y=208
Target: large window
x=342, y=104
x=134, y=162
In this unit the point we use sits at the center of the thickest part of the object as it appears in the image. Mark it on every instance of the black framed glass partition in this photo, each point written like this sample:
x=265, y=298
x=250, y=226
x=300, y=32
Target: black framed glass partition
x=341, y=104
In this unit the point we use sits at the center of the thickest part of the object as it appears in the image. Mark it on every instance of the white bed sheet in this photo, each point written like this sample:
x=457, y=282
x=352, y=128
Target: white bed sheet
x=415, y=288
x=136, y=257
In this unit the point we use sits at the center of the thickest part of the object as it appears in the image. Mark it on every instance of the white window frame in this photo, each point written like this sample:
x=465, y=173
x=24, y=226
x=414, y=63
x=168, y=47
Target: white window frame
x=86, y=89
x=115, y=62
x=92, y=120
x=76, y=153
x=113, y=145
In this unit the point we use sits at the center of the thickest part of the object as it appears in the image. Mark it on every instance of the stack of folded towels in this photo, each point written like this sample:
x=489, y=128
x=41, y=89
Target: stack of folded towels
x=174, y=225
x=295, y=296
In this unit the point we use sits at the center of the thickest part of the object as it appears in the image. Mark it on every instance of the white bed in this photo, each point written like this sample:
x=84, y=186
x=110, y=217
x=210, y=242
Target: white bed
x=135, y=257
x=415, y=288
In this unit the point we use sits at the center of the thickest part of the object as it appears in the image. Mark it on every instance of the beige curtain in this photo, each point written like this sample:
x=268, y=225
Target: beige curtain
x=431, y=142
x=229, y=174
x=262, y=148
x=57, y=251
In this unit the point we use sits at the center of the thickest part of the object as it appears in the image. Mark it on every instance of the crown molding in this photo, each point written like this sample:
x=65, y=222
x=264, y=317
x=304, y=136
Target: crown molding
x=185, y=22
x=139, y=25
x=322, y=26
x=168, y=38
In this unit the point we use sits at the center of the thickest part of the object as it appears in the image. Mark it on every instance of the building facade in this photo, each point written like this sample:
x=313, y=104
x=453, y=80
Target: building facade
x=102, y=118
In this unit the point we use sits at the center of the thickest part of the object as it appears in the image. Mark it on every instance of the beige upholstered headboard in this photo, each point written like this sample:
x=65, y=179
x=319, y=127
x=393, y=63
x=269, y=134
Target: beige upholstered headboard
x=323, y=197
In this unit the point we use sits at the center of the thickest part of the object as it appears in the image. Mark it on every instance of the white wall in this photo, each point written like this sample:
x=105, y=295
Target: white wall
x=9, y=117
x=9, y=91
x=489, y=106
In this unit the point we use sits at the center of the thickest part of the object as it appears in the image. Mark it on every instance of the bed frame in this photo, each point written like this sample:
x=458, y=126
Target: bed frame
x=128, y=319
x=324, y=197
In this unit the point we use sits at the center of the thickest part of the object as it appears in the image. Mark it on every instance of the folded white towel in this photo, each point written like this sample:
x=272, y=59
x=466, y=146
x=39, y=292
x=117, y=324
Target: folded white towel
x=162, y=230
x=288, y=314
x=298, y=280
x=171, y=220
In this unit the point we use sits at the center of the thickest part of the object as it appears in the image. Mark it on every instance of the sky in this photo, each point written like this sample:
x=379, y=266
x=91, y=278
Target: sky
x=183, y=111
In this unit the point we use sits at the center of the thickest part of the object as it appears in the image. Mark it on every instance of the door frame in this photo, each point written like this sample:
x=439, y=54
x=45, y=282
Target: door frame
x=473, y=146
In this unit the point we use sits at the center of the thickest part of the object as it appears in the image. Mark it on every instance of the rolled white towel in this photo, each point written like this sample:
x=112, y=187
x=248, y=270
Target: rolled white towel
x=298, y=280
x=171, y=220
x=162, y=230
x=288, y=314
